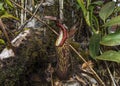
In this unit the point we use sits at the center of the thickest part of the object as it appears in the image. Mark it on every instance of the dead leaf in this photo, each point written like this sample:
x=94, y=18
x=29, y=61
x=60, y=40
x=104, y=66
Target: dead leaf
x=86, y=65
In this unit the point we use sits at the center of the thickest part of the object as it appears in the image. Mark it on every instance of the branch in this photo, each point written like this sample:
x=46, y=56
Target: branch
x=22, y=26
x=35, y=17
x=6, y=34
x=7, y=52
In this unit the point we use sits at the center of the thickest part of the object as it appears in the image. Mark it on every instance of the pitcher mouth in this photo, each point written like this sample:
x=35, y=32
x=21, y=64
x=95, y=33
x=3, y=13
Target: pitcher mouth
x=62, y=35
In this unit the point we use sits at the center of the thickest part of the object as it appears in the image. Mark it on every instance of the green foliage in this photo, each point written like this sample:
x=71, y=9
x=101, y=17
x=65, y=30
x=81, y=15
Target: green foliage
x=88, y=11
x=75, y=44
x=81, y=4
x=117, y=9
x=7, y=15
x=4, y=12
x=107, y=14
x=113, y=21
x=97, y=3
x=85, y=12
x=2, y=41
x=1, y=5
x=94, y=45
x=107, y=10
x=112, y=39
x=110, y=56
x=9, y=3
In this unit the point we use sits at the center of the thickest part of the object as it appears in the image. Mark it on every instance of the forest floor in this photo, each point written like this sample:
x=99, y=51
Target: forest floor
x=35, y=65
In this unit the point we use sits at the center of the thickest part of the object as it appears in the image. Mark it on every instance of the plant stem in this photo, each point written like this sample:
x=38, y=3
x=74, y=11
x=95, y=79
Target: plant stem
x=6, y=34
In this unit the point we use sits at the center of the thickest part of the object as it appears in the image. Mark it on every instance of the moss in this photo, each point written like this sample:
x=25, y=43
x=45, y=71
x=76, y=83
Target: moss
x=28, y=56
x=10, y=71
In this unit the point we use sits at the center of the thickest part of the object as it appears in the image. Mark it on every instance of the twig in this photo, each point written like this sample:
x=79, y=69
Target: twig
x=6, y=34
x=61, y=9
x=35, y=17
x=69, y=44
x=110, y=74
x=95, y=74
x=22, y=11
x=23, y=25
x=52, y=83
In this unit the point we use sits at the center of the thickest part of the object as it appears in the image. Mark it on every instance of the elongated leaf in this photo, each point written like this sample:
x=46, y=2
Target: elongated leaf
x=9, y=3
x=81, y=4
x=110, y=56
x=2, y=41
x=107, y=10
x=85, y=12
x=94, y=45
x=7, y=15
x=113, y=21
x=1, y=8
x=1, y=5
x=112, y=39
x=97, y=3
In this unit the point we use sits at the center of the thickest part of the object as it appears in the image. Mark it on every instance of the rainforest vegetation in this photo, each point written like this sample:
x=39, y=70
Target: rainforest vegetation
x=59, y=43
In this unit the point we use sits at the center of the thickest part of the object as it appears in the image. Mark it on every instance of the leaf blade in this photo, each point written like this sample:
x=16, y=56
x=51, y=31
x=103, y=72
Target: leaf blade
x=2, y=41
x=9, y=3
x=110, y=56
x=7, y=15
x=107, y=10
x=94, y=45
x=112, y=39
x=113, y=21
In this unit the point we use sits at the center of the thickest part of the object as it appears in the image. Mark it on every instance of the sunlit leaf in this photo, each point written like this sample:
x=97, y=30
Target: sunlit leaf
x=110, y=56
x=112, y=39
x=9, y=3
x=113, y=21
x=2, y=41
x=94, y=45
x=107, y=10
x=7, y=15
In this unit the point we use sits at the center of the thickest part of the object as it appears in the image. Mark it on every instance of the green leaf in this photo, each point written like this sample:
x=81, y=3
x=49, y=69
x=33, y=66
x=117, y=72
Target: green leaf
x=94, y=45
x=1, y=5
x=110, y=56
x=113, y=21
x=112, y=39
x=81, y=4
x=97, y=3
x=95, y=22
x=7, y=15
x=9, y=3
x=2, y=41
x=107, y=10
x=76, y=45
x=117, y=9
x=87, y=18
x=85, y=12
